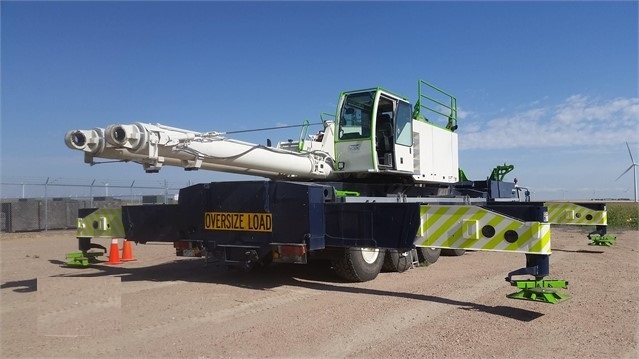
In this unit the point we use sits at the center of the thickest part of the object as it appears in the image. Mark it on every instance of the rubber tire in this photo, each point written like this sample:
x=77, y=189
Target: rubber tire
x=395, y=261
x=428, y=255
x=263, y=262
x=453, y=252
x=353, y=266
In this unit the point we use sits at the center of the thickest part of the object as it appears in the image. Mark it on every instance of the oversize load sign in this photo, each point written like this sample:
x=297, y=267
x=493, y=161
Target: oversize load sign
x=250, y=222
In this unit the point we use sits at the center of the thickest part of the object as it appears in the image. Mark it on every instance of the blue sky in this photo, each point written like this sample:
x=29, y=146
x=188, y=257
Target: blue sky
x=548, y=87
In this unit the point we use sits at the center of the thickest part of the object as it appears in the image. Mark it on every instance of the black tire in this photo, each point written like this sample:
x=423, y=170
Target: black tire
x=359, y=264
x=428, y=255
x=453, y=252
x=263, y=262
x=396, y=261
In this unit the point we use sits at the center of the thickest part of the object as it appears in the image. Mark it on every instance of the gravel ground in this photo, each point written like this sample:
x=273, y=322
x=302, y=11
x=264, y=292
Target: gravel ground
x=161, y=306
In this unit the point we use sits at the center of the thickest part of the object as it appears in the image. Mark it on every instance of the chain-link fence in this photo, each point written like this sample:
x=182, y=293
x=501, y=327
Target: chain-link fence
x=50, y=187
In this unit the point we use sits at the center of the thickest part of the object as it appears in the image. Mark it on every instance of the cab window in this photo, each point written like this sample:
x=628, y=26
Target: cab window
x=355, y=117
x=404, y=128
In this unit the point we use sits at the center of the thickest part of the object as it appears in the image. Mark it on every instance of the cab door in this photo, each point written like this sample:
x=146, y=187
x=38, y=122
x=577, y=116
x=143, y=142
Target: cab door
x=404, y=138
x=394, y=135
x=354, y=150
x=385, y=133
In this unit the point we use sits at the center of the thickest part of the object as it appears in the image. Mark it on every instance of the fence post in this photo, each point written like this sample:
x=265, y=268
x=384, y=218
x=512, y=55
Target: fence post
x=166, y=192
x=91, y=193
x=46, y=206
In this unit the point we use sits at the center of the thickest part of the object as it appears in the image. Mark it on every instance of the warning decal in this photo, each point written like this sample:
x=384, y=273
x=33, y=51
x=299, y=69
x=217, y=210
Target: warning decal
x=250, y=222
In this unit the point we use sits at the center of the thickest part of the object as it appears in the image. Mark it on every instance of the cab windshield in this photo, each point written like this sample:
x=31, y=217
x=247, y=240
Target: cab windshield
x=355, y=116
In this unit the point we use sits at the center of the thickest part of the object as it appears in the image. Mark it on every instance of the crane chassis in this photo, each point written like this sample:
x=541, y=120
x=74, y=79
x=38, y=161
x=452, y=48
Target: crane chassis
x=378, y=188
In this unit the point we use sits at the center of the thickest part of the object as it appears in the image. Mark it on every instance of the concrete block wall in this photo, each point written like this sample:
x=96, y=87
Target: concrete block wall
x=25, y=215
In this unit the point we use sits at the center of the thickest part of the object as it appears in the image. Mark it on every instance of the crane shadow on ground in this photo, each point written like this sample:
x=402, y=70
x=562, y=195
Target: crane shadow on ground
x=585, y=251
x=315, y=276
x=21, y=286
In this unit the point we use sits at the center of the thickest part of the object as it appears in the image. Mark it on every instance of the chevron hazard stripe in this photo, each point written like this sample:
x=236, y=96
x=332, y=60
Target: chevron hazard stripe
x=473, y=227
x=571, y=213
x=103, y=222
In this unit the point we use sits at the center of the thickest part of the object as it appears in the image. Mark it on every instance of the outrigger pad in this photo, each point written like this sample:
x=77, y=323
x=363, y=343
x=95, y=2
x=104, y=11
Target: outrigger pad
x=82, y=259
x=601, y=240
x=540, y=290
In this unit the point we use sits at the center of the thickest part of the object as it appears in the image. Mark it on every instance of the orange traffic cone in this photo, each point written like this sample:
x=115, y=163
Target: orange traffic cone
x=127, y=252
x=114, y=253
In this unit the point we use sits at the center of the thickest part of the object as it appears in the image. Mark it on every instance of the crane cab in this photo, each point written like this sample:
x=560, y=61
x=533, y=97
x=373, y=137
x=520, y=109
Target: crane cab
x=374, y=132
x=377, y=132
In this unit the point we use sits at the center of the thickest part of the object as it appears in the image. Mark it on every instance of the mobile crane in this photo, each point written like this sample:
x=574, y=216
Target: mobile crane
x=380, y=181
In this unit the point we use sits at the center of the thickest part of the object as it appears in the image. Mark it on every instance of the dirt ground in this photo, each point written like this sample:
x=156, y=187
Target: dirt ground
x=161, y=306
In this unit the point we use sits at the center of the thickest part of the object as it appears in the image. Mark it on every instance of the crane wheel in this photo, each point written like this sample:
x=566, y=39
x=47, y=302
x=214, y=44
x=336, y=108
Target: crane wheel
x=428, y=255
x=263, y=262
x=359, y=264
x=396, y=261
x=453, y=252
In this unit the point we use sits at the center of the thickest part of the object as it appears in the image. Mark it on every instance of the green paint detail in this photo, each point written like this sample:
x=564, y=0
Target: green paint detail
x=462, y=175
x=540, y=290
x=478, y=216
x=575, y=214
x=79, y=259
x=527, y=233
x=379, y=88
x=303, y=134
x=599, y=240
x=466, y=227
x=103, y=222
x=326, y=114
x=499, y=235
x=346, y=193
x=325, y=117
x=499, y=172
x=548, y=283
x=543, y=241
x=447, y=224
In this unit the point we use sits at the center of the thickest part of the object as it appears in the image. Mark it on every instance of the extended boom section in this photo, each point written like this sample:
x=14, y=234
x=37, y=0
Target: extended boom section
x=156, y=145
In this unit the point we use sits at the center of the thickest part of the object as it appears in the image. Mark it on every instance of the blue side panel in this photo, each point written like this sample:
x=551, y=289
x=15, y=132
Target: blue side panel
x=298, y=213
x=295, y=212
x=316, y=219
x=152, y=223
x=383, y=225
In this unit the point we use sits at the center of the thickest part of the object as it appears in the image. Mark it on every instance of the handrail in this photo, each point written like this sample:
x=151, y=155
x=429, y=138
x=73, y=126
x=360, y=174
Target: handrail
x=326, y=114
x=452, y=116
x=303, y=133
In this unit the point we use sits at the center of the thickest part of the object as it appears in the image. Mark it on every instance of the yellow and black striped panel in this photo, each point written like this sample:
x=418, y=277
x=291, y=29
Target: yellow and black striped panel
x=574, y=214
x=473, y=227
x=103, y=222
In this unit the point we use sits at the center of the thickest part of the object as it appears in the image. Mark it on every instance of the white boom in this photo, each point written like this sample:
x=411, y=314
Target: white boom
x=376, y=137
x=156, y=145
